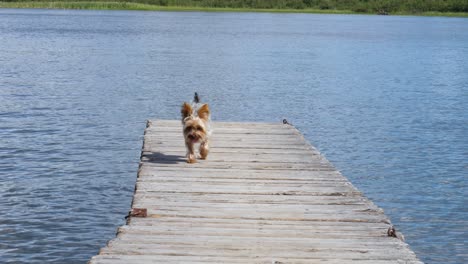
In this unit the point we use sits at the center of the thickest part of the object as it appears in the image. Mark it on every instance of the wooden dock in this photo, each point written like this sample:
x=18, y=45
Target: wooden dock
x=265, y=195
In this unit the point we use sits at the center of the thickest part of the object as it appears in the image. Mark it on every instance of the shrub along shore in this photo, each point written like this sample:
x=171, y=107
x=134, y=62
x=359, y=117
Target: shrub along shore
x=382, y=7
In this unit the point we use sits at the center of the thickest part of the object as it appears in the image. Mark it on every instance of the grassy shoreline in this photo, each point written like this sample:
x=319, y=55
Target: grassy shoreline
x=147, y=7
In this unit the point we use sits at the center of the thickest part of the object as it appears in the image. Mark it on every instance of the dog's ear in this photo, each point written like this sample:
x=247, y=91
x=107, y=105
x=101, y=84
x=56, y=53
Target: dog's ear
x=186, y=110
x=204, y=112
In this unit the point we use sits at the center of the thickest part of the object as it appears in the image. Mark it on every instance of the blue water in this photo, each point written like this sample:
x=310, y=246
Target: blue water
x=385, y=98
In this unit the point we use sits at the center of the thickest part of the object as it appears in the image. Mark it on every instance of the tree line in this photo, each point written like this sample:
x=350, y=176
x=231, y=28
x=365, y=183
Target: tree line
x=360, y=6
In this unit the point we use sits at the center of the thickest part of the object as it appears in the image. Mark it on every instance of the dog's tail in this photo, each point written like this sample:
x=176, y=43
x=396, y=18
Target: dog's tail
x=196, y=99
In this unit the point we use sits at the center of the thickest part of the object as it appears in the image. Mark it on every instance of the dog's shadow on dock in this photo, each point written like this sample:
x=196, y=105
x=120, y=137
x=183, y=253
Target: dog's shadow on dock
x=161, y=158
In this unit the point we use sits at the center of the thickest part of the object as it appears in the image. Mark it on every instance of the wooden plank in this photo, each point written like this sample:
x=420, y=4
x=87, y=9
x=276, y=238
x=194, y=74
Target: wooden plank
x=388, y=252
x=228, y=144
x=256, y=223
x=146, y=259
x=148, y=170
x=188, y=198
x=177, y=156
x=264, y=195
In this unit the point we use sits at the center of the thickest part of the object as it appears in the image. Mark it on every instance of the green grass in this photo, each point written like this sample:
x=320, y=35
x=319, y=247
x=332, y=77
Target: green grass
x=102, y=5
x=148, y=7
x=79, y=5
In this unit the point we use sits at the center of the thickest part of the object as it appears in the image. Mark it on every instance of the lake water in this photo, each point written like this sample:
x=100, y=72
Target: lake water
x=385, y=98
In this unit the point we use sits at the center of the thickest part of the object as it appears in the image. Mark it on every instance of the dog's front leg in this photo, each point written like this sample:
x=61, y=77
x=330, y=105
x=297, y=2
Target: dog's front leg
x=190, y=153
x=204, y=149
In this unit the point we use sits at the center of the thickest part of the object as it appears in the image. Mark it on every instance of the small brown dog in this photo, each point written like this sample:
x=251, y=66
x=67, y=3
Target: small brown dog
x=197, y=129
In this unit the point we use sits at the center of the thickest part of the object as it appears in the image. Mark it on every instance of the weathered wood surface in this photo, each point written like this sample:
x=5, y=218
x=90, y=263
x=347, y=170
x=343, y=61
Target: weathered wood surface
x=264, y=195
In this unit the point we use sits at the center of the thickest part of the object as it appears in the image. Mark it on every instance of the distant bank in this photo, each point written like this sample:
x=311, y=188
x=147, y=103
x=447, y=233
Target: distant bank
x=457, y=9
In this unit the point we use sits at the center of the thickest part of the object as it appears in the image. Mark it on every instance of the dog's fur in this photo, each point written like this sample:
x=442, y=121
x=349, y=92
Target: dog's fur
x=196, y=128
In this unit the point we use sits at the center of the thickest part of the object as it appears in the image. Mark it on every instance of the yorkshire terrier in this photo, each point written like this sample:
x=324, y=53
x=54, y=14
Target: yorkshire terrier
x=197, y=129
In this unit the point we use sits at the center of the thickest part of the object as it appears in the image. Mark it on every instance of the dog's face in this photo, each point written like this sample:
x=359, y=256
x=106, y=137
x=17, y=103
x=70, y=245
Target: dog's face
x=194, y=130
x=195, y=127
